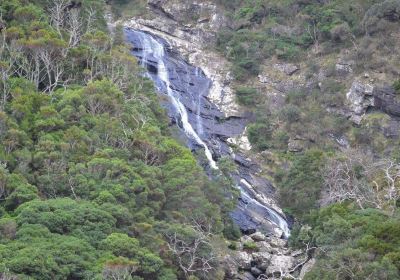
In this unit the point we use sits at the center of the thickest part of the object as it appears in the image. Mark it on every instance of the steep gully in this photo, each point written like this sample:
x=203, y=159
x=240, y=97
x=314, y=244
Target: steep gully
x=203, y=124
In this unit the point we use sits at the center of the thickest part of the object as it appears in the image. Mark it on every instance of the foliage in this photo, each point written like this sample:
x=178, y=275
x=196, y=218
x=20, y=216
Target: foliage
x=250, y=246
x=247, y=96
x=396, y=86
x=260, y=134
x=89, y=173
x=383, y=10
x=355, y=243
x=299, y=190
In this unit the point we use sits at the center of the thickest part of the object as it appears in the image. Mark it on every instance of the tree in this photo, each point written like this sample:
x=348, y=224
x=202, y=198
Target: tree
x=359, y=178
x=119, y=269
x=192, y=249
x=121, y=245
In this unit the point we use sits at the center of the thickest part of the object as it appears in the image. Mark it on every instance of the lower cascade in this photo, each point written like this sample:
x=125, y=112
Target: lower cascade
x=203, y=124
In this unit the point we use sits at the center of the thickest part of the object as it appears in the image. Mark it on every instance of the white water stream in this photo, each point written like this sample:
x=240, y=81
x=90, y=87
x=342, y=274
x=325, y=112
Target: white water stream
x=152, y=49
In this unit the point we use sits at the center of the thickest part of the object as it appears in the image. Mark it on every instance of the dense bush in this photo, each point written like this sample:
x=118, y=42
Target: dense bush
x=300, y=188
x=388, y=10
x=360, y=243
x=247, y=96
x=260, y=135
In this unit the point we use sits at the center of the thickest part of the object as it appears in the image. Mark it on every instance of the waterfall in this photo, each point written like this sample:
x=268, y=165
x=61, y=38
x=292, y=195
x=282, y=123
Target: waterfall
x=154, y=50
x=273, y=215
x=187, y=88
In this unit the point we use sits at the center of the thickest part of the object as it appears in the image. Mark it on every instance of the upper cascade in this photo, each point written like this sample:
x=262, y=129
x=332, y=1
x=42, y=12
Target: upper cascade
x=153, y=52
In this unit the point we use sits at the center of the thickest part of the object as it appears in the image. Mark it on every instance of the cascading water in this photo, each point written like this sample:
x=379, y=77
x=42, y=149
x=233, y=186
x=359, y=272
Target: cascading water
x=187, y=88
x=154, y=50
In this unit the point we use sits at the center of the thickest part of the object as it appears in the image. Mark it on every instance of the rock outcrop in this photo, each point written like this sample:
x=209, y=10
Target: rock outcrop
x=287, y=68
x=363, y=96
x=385, y=100
x=360, y=98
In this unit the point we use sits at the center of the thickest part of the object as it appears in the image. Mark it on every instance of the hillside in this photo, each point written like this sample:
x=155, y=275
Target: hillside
x=321, y=78
x=186, y=148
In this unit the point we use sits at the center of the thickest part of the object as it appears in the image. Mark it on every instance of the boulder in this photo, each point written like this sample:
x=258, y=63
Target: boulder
x=363, y=96
x=245, y=239
x=278, y=232
x=278, y=242
x=262, y=260
x=258, y=236
x=243, y=260
x=344, y=68
x=230, y=267
x=255, y=271
x=264, y=79
x=360, y=97
x=287, y=68
x=280, y=263
x=265, y=246
x=297, y=253
x=385, y=100
x=296, y=145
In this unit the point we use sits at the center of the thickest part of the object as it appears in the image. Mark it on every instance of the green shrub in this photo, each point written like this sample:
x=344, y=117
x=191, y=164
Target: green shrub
x=250, y=246
x=396, y=86
x=233, y=246
x=290, y=113
x=260, y=135
x=281, y=139
x=247, y=95
x=365, y=240
x=231, y=230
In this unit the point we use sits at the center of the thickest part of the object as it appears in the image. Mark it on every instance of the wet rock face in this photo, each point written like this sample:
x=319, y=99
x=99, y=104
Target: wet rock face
x=191, y=26
x=192, y=87
x=191, y=43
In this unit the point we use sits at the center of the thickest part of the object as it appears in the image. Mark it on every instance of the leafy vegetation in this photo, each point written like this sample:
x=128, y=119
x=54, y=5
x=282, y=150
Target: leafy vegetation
x=92, y=184
x=353, y=243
